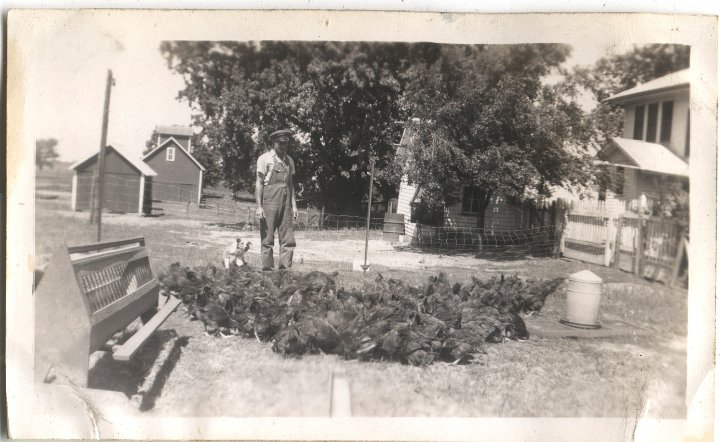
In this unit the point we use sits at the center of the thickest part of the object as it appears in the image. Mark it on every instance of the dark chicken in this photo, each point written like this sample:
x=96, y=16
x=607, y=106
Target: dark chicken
x=386, y=319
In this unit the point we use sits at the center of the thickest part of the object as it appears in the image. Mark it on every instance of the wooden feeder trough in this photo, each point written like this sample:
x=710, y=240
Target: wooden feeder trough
x=88, y=294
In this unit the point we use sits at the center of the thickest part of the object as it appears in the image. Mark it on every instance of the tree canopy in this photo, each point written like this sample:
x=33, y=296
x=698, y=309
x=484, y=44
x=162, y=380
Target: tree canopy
x=485, y=118
x=342, y=99
x=45, y=152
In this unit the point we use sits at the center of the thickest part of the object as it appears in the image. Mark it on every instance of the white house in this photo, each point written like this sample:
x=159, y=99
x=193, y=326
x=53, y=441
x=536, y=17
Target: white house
x=655, y=141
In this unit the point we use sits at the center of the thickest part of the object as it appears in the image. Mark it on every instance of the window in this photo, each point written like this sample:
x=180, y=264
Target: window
x=471, y=200
x=618, y=182
x=666, y=121
x=613, y=181
x=639, y=122
x=652, y=122
x=658, y=114
x=170, y=154
x=421, y=212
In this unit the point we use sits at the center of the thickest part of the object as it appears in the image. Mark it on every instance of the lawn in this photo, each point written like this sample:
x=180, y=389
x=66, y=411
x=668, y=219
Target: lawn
x=549, y=377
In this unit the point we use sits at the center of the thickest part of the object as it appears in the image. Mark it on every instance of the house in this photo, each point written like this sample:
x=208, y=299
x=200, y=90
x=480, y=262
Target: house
x=179, y=175
x=126, y=185
x=500, y=214
x=655, y=142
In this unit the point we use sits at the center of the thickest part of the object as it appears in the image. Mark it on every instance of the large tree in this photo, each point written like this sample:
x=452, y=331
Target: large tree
x=45, y=152
x=484, y=117
x=341, y=98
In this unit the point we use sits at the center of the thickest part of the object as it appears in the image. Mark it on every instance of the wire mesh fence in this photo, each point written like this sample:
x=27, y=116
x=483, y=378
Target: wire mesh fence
x=537, y=241
x=123, y=194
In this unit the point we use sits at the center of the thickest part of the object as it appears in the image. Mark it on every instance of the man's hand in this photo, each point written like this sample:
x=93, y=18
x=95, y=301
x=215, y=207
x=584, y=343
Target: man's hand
x=295, y=213
x=260, y=213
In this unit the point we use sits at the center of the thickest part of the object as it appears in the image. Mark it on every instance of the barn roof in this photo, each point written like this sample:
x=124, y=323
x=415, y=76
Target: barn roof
x=174, y=129
x=675, y=80
x=138, y=164
x=652, y=157
x=161, y=146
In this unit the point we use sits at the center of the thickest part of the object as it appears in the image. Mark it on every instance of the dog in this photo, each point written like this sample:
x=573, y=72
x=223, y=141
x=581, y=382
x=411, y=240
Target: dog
x=234, y=254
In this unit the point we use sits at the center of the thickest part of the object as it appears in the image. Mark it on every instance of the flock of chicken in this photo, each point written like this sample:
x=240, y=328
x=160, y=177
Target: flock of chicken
x=386, y=319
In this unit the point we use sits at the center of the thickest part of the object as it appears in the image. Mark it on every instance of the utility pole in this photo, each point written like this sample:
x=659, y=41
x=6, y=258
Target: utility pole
x=99, y=173
x=365, y=265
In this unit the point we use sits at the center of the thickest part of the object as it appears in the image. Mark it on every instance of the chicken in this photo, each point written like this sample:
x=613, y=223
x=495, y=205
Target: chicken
x=234, y=254
x=537, y=292
x=386, y=319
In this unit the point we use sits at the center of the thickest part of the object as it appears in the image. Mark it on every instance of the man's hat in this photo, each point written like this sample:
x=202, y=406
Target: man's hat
x=279, y=134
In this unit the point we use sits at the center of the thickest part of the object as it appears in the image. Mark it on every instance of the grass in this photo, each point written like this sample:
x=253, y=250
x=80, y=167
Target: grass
x=539, y=377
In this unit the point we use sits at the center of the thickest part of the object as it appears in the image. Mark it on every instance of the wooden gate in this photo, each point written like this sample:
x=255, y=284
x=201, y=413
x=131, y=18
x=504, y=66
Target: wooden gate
x=662, y=240
x=626, y=243
x=586, y=238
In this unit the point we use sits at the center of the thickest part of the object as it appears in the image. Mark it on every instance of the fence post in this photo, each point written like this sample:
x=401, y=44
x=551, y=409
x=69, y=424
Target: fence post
x=640, y=249
x=618, y=239
x=559, y=221
x=322, y=217
x=607, y=255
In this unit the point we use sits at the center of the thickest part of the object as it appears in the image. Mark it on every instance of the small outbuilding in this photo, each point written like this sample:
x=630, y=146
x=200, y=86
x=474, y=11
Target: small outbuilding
x=179, y=175
x=126, y=185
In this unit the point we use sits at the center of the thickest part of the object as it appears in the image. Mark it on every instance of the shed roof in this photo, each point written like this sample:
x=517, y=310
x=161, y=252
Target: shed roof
x=652, y=157
x=675, y=80
x=137, y=163
x=174, y=130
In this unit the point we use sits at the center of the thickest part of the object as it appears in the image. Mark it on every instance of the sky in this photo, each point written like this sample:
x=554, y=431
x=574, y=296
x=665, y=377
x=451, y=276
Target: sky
x=68, y=76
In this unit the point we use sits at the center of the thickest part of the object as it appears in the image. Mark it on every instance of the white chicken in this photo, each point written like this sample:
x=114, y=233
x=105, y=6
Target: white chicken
x=234, y=253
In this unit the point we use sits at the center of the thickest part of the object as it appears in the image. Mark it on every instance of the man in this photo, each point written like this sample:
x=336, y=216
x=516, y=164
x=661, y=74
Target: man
x=275, y=198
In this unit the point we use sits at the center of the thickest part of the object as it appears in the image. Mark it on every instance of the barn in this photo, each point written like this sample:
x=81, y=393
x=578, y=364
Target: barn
x=179, y=175
x=126, y=184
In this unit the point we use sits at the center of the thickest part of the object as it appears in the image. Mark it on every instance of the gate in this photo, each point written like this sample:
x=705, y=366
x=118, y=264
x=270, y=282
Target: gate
x=626, y=243
x=586, y=238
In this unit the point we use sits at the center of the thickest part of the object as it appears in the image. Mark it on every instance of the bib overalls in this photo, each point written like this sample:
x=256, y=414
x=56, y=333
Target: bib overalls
x=277, y=206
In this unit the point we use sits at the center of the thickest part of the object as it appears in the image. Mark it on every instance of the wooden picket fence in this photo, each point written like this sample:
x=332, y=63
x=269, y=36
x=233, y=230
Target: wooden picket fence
x=652, y=247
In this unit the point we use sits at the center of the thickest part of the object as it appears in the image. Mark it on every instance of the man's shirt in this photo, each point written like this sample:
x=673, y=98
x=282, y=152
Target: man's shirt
x=266, y=165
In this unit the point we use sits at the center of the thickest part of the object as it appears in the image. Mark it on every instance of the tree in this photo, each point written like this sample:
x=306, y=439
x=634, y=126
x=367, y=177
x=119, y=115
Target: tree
x=151, y=143
x=483, y=117
x=342, y=99
x=45, y=152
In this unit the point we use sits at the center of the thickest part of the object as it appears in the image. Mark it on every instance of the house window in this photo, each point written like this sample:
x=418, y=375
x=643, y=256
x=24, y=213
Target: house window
x=639, y=122
x=170, y=154
x=652, y=122
x=618, y=182
x=613, y=181
x=657, y=115
x=471, y=200
x=666, y=121
x=422, y=213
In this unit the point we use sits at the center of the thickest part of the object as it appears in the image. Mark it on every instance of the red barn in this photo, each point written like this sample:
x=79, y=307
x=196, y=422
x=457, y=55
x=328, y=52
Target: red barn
x=179, y=175
x=126, y=184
